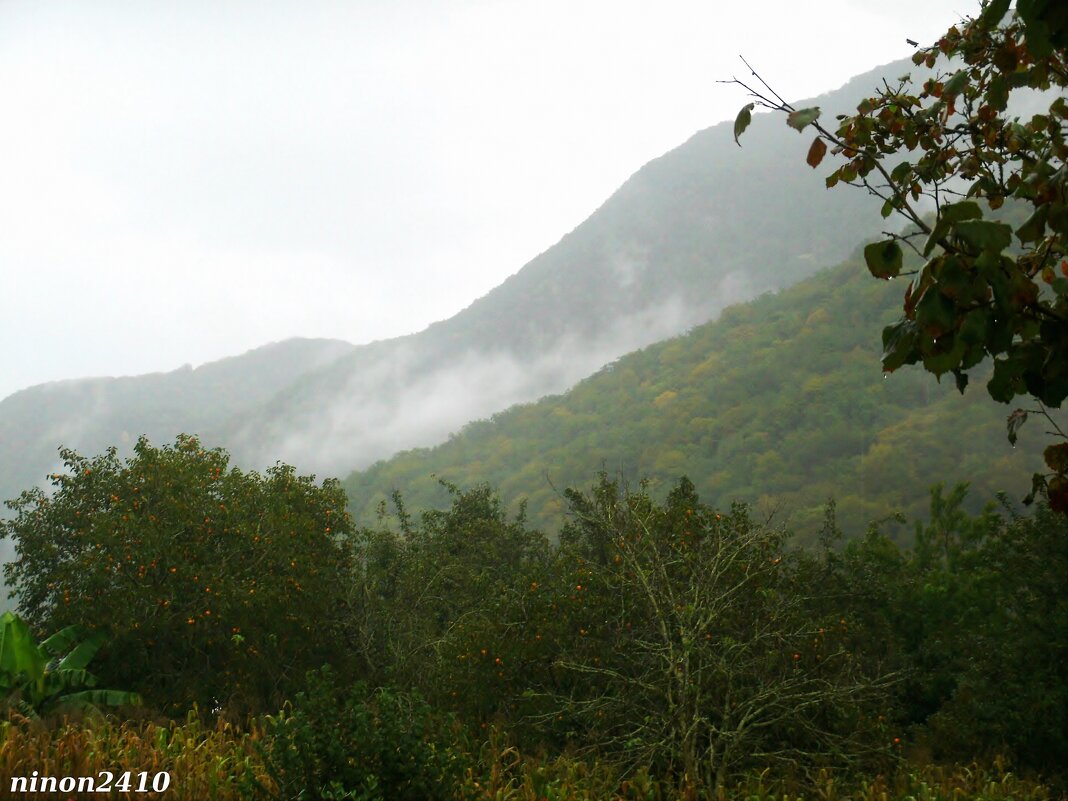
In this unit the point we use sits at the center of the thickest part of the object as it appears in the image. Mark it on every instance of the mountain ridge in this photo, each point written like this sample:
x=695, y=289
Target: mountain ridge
x=780, y=402
x=690, y=232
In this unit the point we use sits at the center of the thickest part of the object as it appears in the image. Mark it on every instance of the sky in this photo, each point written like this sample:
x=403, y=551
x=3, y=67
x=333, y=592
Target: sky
x=185, y=181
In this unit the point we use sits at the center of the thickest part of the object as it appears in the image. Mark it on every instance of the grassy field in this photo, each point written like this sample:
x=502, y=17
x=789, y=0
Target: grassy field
x=223, y=763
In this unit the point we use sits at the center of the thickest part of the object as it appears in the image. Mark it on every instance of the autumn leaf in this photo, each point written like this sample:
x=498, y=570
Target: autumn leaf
x=816, y=153
x=1056, y=457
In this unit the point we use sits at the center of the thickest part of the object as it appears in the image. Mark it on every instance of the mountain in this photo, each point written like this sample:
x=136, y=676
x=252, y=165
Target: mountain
x=92, y=414
x=704, y=226
x=781, y=402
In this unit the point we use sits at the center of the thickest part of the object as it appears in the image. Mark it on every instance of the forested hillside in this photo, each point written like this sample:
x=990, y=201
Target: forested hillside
x=702, y=227
x=673, y=246
x=781, y=402
x=94, y=413
x=769, y=557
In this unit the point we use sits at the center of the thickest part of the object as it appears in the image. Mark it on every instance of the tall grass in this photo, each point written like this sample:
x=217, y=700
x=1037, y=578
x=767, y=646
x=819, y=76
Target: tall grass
x=204, y=763
x=213, y=763
x=503, y=775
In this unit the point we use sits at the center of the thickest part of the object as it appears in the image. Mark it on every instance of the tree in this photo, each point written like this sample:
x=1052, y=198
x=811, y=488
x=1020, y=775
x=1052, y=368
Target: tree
x=215, y=586
x=424, y=590
x=694, y=643
x=975, y=618
x=954, y=143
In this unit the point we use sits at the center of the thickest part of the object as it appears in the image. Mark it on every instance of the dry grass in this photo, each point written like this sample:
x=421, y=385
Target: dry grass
x=212, y=763
x=506, y=776
x=203, y=763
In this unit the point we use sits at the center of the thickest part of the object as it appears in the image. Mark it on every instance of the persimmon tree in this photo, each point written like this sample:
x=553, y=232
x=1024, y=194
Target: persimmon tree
x=213, y=585
x=953, y=143
x=427, y=592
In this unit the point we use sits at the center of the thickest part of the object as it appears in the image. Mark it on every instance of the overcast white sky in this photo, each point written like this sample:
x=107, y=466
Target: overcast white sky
x=183, y=181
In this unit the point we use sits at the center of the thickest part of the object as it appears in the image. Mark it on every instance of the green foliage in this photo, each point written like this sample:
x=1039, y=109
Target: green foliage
x=976, y=296
x=424, y=589
x=216, y=587
x=780, y=402
x=975, y=617
x=37, y=679
x=680, y=229
x=743, y=120
x=700, y=644
x=340, y=740
x=1009, y=641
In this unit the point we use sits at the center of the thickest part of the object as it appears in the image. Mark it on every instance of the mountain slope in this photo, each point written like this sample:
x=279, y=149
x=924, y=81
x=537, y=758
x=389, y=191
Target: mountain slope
x=91, y=414
x=703, y=226
x=693, y=231
x=781, y=402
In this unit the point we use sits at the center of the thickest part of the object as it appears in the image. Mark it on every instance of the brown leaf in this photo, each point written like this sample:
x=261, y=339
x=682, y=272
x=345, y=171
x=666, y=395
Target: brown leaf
x=1058, y=494
x=1056, y=457
x=816, y=153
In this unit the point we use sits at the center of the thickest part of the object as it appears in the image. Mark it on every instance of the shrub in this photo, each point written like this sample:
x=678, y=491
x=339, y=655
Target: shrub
x=352, y=742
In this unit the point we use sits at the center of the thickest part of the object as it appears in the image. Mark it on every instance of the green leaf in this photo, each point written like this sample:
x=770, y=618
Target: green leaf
x=940, y=229
x=19, y=654
x=901, y=172
x=1034, y=227
x=95, y=698
x=741, y=122
x=994, y=12
x=961, y=379
x=958, y=212
x=936, y=314
x=985, y=235
x=63, y=681
x=974, y=326
x=997, y=92
x=899, y=342
x=1038, y=483
x=945, y=357
x=1036, y=32
x=955, y=85
x=954, y=280
x=802, y=118
x=1058, y=217
x=83, y=653
x=1006, y=383
x=63, y=640
x=884, y=259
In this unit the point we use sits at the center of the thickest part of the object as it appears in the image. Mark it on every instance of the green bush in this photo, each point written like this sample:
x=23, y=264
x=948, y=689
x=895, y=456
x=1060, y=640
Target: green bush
x=341, y=741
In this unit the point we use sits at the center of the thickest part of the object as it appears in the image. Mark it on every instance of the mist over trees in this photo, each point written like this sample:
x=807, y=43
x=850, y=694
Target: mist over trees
x=844, y=600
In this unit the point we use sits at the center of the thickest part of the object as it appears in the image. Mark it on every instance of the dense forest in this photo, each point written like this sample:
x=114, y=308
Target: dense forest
x=780, y=402
x=658, y=648
x=764, y=559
